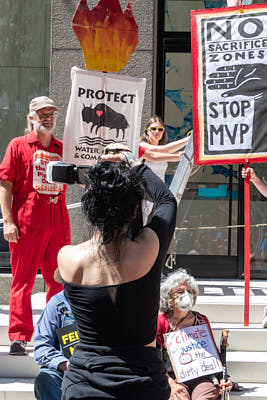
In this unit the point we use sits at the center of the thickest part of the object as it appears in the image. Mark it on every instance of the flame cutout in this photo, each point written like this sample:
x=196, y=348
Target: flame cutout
x=107, y=36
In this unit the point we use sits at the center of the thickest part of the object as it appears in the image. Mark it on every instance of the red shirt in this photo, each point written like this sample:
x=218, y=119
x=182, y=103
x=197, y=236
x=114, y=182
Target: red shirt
x=164, y=327
x=17, y=164
x=141, y=151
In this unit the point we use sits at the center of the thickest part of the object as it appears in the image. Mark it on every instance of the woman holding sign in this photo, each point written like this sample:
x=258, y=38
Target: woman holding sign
x=156, y=153
x=154, y=149
x=178, y=295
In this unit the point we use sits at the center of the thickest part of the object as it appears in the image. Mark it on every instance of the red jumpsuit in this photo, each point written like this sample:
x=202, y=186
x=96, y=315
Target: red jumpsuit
x=39, y=210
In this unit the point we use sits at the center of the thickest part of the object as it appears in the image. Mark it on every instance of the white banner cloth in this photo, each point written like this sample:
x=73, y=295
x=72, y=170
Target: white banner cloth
x=103, y=108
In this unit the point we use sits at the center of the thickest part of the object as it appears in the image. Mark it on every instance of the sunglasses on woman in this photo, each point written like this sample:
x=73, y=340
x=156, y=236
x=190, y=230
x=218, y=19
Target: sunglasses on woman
x=156, y=128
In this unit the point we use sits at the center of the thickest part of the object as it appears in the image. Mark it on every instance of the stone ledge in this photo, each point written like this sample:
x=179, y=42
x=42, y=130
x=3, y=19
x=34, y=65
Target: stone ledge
x=5, y=282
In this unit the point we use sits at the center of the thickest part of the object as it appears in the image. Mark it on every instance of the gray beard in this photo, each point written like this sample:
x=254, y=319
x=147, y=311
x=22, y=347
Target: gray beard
x=42, y=129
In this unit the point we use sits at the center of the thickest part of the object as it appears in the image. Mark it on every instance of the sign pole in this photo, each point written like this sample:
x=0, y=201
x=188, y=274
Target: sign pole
x=246, y=246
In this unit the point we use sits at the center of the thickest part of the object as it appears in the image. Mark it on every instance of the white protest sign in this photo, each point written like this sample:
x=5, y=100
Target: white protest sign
x=192, y=353
x=229, y=55
x=104, y=108
x=40, y=160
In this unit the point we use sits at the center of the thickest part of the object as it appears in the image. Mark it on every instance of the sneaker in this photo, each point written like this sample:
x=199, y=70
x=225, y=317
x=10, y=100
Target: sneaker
x=264, y=321
x=17, y=348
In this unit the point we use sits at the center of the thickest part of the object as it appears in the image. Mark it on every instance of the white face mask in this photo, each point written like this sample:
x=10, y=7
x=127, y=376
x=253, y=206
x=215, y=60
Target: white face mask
x=184, y=302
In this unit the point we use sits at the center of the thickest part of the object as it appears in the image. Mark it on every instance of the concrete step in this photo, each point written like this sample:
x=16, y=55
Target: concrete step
x=252, y=338
x=253, y=391
x=17, y=366
x=5, y=282
x=230, y=309
x=14, y=389
x=249, y=367
x=223, y=300
x=38, y=304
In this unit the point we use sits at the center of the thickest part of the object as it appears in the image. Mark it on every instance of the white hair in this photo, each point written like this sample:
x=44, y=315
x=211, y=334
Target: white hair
x=29, y=122
x=172, y=281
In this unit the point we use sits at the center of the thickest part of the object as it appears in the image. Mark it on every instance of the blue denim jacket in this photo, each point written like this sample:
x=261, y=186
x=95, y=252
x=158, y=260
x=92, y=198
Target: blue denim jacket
x=57, y=313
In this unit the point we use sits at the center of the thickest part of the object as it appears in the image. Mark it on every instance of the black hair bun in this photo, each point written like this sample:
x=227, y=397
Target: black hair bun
x=112, y=193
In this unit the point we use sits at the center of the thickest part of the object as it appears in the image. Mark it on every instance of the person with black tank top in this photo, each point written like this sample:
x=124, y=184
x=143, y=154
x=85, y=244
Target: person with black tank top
x=112, y=282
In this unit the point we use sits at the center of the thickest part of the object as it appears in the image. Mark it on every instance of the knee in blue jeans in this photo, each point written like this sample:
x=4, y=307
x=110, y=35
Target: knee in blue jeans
x=47, y=384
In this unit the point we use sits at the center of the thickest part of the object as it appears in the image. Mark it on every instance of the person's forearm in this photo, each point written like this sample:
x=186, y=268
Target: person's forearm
x=5, y=201
x=156, y=156
x=171, y=147
x=261, y=186
x=47, y=355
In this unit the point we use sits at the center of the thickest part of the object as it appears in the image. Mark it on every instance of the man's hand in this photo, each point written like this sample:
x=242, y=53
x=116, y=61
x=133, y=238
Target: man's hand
x=63, y=366
x=11, y=232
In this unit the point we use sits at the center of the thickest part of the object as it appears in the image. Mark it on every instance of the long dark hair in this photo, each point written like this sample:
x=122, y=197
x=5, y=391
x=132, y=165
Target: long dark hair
x=144, y=135
x=109, y=201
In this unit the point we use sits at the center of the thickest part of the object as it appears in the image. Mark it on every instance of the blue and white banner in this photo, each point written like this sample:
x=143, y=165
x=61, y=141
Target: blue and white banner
x=104, y=108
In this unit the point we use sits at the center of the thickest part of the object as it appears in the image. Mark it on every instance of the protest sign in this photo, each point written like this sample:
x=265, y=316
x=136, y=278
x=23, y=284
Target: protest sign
x=229, y=56
x=68, y=337
x=192, y=353
x=103, y=108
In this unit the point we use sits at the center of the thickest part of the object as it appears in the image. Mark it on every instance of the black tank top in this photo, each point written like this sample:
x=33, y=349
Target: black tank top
x=126, y=314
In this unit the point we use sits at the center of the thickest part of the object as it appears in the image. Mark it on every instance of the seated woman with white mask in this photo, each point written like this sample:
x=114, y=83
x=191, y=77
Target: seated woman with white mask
x=177, y=297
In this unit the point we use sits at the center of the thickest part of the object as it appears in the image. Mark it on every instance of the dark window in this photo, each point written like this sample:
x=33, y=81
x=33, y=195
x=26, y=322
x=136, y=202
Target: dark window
x=24, y=72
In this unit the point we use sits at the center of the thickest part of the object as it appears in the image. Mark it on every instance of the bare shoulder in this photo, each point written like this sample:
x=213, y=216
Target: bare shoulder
x=64, y=252
x=69, y=262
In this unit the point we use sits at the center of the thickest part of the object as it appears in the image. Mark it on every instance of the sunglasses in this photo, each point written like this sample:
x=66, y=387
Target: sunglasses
x=156, y=128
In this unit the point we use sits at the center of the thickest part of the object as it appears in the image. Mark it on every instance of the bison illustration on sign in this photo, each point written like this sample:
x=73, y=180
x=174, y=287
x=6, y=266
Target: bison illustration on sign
x=103, y=115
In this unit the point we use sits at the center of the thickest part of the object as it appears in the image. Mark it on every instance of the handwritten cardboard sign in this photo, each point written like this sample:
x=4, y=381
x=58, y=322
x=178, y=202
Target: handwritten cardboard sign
x=192, y=353
x=229, y=56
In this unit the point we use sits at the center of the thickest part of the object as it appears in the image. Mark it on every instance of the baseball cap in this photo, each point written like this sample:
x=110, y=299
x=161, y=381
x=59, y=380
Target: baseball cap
x=41, y=102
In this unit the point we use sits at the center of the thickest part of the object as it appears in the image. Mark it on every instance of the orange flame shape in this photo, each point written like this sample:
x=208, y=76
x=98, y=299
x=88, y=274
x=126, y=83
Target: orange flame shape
x=107, y=36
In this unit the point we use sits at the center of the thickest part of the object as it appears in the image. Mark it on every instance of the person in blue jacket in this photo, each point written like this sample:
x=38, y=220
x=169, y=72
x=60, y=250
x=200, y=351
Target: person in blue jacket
x=48, y=352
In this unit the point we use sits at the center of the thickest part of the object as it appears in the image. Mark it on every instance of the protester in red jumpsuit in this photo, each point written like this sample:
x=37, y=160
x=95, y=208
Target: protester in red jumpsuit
x=35, y=216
